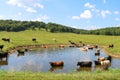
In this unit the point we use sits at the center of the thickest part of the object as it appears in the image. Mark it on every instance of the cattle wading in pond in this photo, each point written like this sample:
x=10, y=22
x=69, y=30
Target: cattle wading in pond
x=6, y=39
x=84, y=64
x=55, y=64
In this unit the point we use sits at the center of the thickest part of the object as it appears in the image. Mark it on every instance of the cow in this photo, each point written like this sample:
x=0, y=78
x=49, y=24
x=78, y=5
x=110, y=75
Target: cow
x=55, y=64
x=3, y=55
x=84, y=64
x=108, y=58
x=34, y=39
x=105, y=63
x=1, y=47
x=97, y=62
x=97, y=53
x=105, y=58
x=20, y=53
x=6, y=39
x=101, y=58
x=111, y=45
x=83, y=49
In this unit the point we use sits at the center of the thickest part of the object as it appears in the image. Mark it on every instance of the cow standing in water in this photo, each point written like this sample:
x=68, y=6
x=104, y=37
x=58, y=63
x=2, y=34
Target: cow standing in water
x=84, y=64
x=55, y=64
x=3, y=55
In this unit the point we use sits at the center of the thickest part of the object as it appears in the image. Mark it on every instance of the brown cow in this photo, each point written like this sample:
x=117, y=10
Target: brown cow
x=54, y=64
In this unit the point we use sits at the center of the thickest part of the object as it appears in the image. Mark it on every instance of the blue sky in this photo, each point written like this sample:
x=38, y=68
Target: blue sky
x=82, y=14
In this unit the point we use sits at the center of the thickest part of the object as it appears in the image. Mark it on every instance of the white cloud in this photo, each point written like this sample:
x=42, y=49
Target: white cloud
x=86, y=14
x=91, y=27
x=19, y=13
x=117, y=19
x=75, y=17
x=104, y=1
x=116, y=12
x=29, y=9
x=39, y=5
x=42, y=18
x=15, y=3
x=89, y=5
x=28, y=5
x=1, y=17
x=105, y=12
x=74, y=26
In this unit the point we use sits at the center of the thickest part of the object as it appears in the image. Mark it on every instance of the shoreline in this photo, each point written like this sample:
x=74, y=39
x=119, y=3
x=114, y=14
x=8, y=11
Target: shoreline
x=11, y=50
x=111, y=54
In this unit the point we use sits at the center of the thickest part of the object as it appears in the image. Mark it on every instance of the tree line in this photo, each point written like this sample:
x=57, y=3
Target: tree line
x=15, y=26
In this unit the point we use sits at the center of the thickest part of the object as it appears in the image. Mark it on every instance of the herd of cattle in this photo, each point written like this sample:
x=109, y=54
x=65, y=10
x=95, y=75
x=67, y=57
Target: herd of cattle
x=103, y=61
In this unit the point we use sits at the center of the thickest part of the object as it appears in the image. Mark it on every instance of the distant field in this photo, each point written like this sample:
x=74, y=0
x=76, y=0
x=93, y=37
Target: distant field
x=43, y=37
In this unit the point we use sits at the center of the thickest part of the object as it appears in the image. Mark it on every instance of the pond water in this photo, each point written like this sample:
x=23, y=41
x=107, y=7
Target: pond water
x=37, y=60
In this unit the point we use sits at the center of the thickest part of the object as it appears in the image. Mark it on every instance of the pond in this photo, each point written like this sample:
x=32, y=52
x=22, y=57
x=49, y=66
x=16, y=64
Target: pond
x=37, y=60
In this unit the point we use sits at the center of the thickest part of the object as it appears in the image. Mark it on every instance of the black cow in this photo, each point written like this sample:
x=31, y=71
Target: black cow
x=97, y=63
x=108, y=58
x=6, y=39
x=1, y=47
x=111, y=45
x=3, y=55
x=34, y=39
x=20, y=53
x=84, y=64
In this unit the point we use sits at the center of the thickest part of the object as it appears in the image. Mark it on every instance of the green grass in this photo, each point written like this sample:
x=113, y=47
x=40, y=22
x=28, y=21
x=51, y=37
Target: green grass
x=112, y=74
x=43, y=37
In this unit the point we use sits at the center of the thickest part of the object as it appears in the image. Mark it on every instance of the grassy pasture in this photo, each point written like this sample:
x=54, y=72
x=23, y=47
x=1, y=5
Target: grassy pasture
x=43, y=37
x=112, y=74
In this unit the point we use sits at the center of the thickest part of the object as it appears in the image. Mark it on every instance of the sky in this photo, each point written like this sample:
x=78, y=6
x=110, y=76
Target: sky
x=81, y=14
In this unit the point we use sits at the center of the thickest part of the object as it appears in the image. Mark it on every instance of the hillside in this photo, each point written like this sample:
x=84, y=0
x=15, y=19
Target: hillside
x=16, y=26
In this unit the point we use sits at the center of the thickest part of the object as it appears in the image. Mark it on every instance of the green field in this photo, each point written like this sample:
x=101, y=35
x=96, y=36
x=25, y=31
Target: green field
x=43, y=37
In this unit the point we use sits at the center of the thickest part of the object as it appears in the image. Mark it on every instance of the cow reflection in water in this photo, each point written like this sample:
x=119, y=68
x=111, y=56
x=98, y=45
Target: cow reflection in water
x=100, y=67
x=52, y=69
x=88, y=69
x=2, y=62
